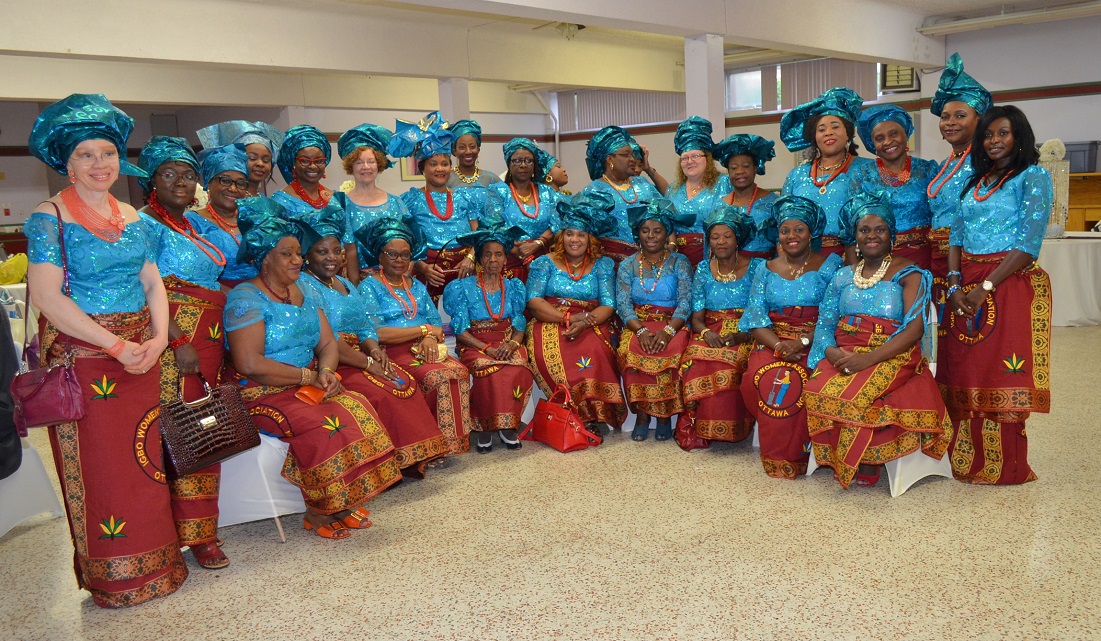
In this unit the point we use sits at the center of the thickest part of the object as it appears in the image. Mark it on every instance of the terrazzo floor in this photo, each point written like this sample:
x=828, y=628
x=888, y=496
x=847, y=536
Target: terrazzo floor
x=641, y=541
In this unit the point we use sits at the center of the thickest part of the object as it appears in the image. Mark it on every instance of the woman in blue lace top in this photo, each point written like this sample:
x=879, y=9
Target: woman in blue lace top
x=744, y=156
x=305, y=154
x=698, y=188
x=610, y=159
x=223, y=171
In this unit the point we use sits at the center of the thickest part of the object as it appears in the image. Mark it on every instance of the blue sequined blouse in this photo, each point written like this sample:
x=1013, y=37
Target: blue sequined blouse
x=761, y=211
x=291, y=203
x=770, y=292
x=698, y=206
x=357, y=216
x=908, y=201
x=800, y=183
x=546, y=280
x=463, y=300
x=1013, y=217
x=229, y=245
x=710, y=295
x=468, y=205
x=641, y=192
x=176, y=255
x=485, y=179
x=291, y=332
x=103, y=276
x=946, y=202
x=672, y=289
x=501, y=202
x=346, y=313
x=383, y=310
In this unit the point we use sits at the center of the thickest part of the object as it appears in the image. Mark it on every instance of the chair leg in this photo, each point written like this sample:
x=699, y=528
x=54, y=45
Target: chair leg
x=274, y=511
x=279, y=526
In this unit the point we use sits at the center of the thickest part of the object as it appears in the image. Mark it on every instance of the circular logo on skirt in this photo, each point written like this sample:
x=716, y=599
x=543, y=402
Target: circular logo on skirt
x=976, y=329
x=149, y=433
x=780, y=388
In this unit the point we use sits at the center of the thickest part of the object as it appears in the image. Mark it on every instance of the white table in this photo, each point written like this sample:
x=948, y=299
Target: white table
x=1074, y=265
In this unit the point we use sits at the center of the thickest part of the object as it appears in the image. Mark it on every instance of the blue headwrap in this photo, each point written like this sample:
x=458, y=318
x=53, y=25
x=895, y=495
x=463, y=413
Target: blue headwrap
x=427, y=137
x=877, y=203
x=463, y=127
x=375, y=235
x=636, y=149
x=365, y=135
x=82, y=116
x=263, y=223
x=798, y=208
x=243, y=132
x=493, y=228
x=298, y=138
x=762, y=149
x=214, y=161
x=736, y=218
x=317, y=224
x=162, y=149
x=660, y=209
x=693, y=133
x=956, y=84
x=877, y=114
x=517, y=144
x=544, y=162
x=590, y=211
x=839, y=101
x=604, y=143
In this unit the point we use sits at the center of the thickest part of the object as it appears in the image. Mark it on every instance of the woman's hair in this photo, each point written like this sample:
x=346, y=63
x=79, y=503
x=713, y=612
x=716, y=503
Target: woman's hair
x=350, y=160
x=423, y=161
x=558, y=247
x=810, y=128
x=710, y=173
x=1024, y=145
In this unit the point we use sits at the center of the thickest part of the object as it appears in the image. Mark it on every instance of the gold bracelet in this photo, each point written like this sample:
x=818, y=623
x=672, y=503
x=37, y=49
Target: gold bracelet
x=424, y=331
x=331, y=370
x=305, y=377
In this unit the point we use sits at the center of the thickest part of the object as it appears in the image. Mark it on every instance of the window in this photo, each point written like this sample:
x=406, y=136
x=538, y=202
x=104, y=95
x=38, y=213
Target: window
x=743, y=90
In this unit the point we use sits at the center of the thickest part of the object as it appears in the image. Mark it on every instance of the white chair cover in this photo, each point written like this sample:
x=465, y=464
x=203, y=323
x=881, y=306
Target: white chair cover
x=253, y=489
x=27, y=492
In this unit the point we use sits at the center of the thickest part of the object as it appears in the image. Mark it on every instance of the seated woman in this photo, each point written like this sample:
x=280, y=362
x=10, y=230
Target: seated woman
x=744, y=157
x=653, y=299
x=781, y=314
x=529, y=205
x=302, y=161
x=697, y=189
x=571, y=299
x=487, y=316
x=871, y=398
x=281, y=346
x=716, y=358
x=223, y=171
x=364, y=367
x=408, y=326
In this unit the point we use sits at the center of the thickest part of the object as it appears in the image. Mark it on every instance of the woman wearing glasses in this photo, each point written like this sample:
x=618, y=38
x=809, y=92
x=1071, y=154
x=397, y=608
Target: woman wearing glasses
x=261, y=142
x=302, y=160
x=698, y=189
x=524, y=203
x=224, y=172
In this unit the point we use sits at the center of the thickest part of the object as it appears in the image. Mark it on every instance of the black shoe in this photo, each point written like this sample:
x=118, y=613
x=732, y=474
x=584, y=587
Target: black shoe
x=483, y=447
x=509, y=438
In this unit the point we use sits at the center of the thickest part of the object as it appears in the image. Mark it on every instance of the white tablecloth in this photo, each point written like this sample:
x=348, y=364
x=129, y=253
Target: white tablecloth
x=1075, y=268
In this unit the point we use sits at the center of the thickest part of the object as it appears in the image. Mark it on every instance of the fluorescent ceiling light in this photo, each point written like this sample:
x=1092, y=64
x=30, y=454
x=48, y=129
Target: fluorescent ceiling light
x=1071, y=12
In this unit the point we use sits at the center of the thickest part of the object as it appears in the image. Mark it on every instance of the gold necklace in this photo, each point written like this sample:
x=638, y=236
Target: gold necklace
x=728, y=277
x=791, y=268
x=625, y=186
x=867, y=283
x=832, y=167
x=470, y=180
x=693, y=193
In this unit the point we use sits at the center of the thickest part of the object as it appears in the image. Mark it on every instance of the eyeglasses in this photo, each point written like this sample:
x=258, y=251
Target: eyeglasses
x=522, y=162
x=692, y=157
x=226, y=181
x=171, y=175
x=620, y=154
x=315, y=162
x=392, y=255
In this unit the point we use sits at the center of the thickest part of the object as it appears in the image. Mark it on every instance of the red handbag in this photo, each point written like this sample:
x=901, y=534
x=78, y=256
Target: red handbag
x=557, y=425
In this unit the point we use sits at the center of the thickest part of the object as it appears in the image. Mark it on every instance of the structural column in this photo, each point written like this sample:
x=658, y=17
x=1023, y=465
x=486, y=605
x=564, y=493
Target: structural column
x=454, y=98
x=705, y=80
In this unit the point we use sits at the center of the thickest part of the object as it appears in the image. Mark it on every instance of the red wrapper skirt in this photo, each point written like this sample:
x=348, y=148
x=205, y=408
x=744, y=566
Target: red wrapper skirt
x=501, y=389
x=712, y=379
x=652, y=381
x=446, y=388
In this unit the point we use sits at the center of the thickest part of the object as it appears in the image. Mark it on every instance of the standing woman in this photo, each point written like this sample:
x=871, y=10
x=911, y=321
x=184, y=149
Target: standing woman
x=551, y=172
x=113, y=320
x=653, y=300
x=440, y=213
x=828, y=124
x=362, y=150
x=697, y=190
x=466, y=145
x=409, y=327
x=224, y=172
x=190, y=265
x=959, y=102
x=744, y=157
x=487, y=316
x=1002, y=303
x=781, y=315
x=305, y=154
x=716, y=358
x=261, y=142
x=524, y=203
x=871, y=398
x=609, y=159
x=884, y=129
x=571, y=299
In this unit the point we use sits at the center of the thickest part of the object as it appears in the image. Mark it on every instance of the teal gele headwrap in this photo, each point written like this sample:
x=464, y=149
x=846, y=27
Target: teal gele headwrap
x=877, y=114
x=517, y=144
x=365, y=135
x=798, y=208
x=298, y=138
x=494, y=228
x=660, y=209
x=463, y=127
x=263, y=223
x=225, y=158
x=427, y=137
x=762, y=149
x=317, y=224
x=162, y=149
x=956, y=84
x=544, y=162
x=82, y=116
x=636, y=149
x=243, y=132
x=839, y=101
x=693, y=133
x=604, y=143
x=589, y=211
x=736, y=218
x=877, y=203
x=375, y=235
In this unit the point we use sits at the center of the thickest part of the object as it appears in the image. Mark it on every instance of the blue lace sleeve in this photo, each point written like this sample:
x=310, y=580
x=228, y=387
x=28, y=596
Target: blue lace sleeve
x=42, y=244
x=699, y=294
x=756, y=310
x=516, y=302
x=829, y=312
x=624, y=303
x=454, y=303
x=428, y=309
x=538, y=275
x=921, y=301
x=603, y=271
x=244, y=307
x=684, y=287
x=1037, y=195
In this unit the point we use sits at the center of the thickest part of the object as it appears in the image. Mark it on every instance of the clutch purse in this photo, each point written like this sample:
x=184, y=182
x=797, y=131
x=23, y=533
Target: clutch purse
x=557, y=425
x=200, y=433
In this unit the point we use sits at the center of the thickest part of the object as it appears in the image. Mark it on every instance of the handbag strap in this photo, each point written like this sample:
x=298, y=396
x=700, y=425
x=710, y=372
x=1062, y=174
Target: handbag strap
x=65, y=287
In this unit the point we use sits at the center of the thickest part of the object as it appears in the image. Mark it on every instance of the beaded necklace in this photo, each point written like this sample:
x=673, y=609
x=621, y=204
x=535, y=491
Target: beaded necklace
x=516, y=197
x=283, y=298
x=621, y=190
x=317, y=203
x=993, y=189
x=184, y=227
x=408, y=310
x=223, y=224
x=868, y=283
x=891, y=178
x=449, y=210
x=842, y=168
x=109, y=230
x=580, y=272
x=661, y=270
x=932, y=193
x=485, y=297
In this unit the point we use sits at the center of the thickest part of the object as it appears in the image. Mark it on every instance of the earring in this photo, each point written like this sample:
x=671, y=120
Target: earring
x=72, y=178
x=194, y=201
x=548, y=179
x=152, y=195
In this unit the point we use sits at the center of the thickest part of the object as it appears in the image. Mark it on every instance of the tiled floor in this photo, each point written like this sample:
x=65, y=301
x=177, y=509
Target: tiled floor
x=642, y=541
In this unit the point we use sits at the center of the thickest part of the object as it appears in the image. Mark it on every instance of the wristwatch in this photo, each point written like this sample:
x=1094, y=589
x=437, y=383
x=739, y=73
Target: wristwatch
x=805, y=341
x=987, y=286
